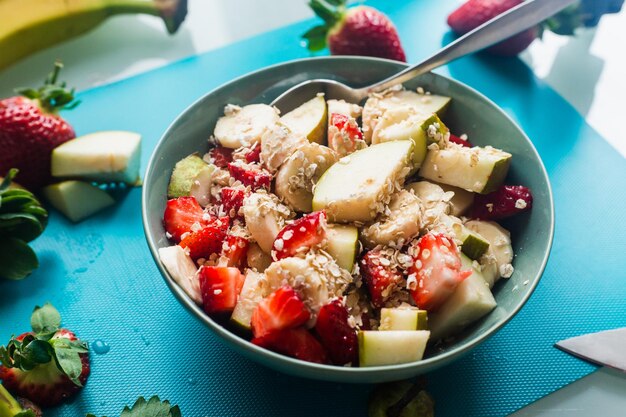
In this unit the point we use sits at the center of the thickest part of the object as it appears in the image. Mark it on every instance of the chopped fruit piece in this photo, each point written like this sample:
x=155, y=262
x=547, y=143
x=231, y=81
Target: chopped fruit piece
x=182, y=269
x=208, y=240
x=461, y=201
x=257, y=259
x=460, y=141
x=221, y=156
x=254, y=154
x=234, y=251
x=282, y=309
x=278, y=144
x=264, y=216
x=180, y=215
x=342, y=244
x=220, y=288
x=344, y=135
x=185, y=172
x=381, y=276
x=300, y=236
x=232, y=200
x=472, y=244
x=252, y=292
x=77, y=200
x=391, y=347
x=335, y=333
x=403, y=319
x=103, y=156
x=506, y=201
x=308, y=120
x=297, y=343
x=343, y=107
x=499, y=242
x=436, y=270
x=201, y=185
x=250, y=175
x=244, y=126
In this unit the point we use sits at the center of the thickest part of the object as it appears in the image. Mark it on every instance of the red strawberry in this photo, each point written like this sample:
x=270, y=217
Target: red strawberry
x=436, y=270
x=250, y=175
x=30, y=128
x=282, y=309
x=220, y=287
x=335, y=333
x=33, y=363
x=180, y=214
x=208, y=240
x=506, y=201
x=474, y=13
x=344, y=134
x=232, y=200
x=463, y=142
x=358, y=30
x=234, y=251
x=381, y=277
x=254, y=155
x=300, y=236
x=221, y=156
x=297, y=343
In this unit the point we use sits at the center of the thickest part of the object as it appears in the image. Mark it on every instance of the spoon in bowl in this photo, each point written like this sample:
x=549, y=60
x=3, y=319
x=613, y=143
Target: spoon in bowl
x=512, y=22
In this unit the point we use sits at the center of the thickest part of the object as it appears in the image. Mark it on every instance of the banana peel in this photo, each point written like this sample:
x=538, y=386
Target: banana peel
x=27, y=26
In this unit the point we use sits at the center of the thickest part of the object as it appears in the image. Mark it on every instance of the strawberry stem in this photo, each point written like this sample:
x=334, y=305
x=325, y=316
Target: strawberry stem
x=52, y=96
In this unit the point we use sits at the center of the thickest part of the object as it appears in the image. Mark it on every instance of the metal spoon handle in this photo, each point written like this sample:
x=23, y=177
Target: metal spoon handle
x=512, y=22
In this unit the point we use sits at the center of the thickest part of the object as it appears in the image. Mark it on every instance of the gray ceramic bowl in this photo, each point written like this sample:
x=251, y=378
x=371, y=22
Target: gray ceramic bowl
x=470, y=112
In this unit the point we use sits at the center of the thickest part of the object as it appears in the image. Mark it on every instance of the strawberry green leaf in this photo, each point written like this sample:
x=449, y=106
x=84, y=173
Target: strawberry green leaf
x=316, y=37
x=25, y=413
x=327, y=12
x=154, y=407
x=17, y=259
x=6, y=182
x=69, y=362
x=38, y=351
x=45, y=319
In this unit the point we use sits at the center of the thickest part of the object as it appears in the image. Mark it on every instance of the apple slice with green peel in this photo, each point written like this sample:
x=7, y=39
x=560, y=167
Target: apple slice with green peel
x=403, y=319
x=471, y=300
x=253, y=290
x=358, y=186
x=300, y=172
x=342, y=243
x=182, y=269
x=460, y=201
x=391, y=347
x=477, y=169
x=77, y=200
x=244, y=126
x=309, y=119
x=473, y=244
x=201, y=185
x=499, y=239
x=108, y=156
x=185, y=173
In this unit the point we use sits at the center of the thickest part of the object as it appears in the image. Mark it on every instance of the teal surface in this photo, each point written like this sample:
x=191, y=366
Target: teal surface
x=100, y=275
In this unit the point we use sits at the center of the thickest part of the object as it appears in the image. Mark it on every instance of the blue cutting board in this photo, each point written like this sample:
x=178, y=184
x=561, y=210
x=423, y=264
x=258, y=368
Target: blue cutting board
x=100, y=275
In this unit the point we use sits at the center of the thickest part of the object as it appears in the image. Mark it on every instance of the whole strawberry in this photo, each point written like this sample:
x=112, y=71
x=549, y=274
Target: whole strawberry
x=47, y=365
x=359, y=30
x=30, y=128
x=474, y=13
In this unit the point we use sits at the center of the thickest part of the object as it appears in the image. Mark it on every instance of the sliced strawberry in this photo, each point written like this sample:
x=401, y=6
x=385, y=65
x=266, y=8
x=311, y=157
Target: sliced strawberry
x=463, y=142
x=220, y=287
x=506, y=201
x=234, y=251
x=232, y=200
x=208, y=240
x=381, y=276
x=297, y=343
x=221, y=156
x=335, y=333
x=300, y=236
x=436, y=270
x=344, y=134
x=250, y=175
x=282, y=309
x=180, y=215
x=254, y=155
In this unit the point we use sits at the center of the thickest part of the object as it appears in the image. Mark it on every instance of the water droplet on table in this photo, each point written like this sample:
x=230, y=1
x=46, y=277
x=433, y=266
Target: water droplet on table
x=100, y=347
x=80, y=270
x=145, y=341
x=192, y=381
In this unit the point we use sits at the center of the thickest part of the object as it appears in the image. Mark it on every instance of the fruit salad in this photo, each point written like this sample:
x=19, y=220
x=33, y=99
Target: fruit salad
x=342, y=234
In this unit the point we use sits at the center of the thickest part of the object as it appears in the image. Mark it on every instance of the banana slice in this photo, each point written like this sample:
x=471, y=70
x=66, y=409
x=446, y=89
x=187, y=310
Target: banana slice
x=279, y=143
x=182, y=269
x=257, y=259
x=436, y=202
x=297, y=176
x=499, y=242
x=400, y=223
x=264, y=216
x=343, y=107
x=244, y=126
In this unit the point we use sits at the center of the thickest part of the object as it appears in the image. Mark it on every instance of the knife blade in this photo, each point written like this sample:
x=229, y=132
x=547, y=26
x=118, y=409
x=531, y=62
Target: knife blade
x=606, y=348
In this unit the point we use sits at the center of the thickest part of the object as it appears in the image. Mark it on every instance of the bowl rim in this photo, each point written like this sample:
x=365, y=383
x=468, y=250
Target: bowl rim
x=322, y=371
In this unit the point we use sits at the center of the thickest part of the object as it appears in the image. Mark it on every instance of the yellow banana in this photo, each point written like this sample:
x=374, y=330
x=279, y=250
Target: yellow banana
x=27, y=26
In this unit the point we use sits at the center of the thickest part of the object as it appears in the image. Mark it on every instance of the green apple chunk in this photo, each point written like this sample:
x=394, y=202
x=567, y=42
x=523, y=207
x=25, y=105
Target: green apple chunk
x=477, y=169
x=309, y=119
x=244, y=126
x=253, y=290
x=356, y=188
x=186, y=172
x=391, y=347
x=77, y=200
x=182, y=269
x=342, y=243
x=376, y=106
x=472, y=244
x=403, y=319
x=471, y=300
x=500, y=243
x=108, y=156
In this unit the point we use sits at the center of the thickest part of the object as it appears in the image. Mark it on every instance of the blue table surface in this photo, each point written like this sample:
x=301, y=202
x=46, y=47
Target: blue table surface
x=100, y=275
